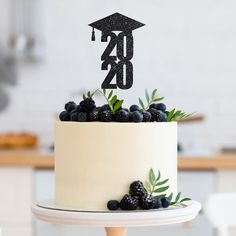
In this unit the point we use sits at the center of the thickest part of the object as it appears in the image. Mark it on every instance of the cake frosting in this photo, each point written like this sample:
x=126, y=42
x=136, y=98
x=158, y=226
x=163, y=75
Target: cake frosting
x=96, y=161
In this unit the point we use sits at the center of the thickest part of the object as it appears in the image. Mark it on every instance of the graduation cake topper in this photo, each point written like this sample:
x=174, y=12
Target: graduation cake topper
x=120, y=64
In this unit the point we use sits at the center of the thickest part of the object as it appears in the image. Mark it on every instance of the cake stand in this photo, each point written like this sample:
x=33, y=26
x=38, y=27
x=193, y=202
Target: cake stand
x=117, y=222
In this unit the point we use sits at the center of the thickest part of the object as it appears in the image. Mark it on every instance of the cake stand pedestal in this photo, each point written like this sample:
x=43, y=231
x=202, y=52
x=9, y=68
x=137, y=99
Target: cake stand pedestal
x=117, y=222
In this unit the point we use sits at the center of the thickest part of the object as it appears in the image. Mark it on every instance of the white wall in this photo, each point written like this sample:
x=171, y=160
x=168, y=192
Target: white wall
x=187, y=50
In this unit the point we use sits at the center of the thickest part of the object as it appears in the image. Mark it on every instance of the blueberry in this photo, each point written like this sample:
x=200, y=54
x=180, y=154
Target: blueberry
x=136, y=116
x=105, y=108
x=134, y=108
x=74, y=116
x=161, y=107
x=157, y=204
x=165, y=202
x=69, y=106
x=162, y=116
x=64, y=116
x=153, y=105
x=113, y=205
x=82, y=116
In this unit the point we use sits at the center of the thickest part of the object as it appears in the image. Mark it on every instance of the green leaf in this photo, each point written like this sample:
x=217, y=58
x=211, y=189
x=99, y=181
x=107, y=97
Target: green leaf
x=118, y=105
x=104, y=91
x=89, y=94
x=94, y=92
x=147, y=96
x=153, y=94
x=158, y=176
x=162, y=182
x=159, y=197
x=185, y=199
x=170, y=115
x=147, y=186
x=170, y=196
x=84, y=97
x=177, y=197
x=152, y=177
x=158, y=99
x=113, y=100
x=110, y=94
x=161, y=189
x=141, y=103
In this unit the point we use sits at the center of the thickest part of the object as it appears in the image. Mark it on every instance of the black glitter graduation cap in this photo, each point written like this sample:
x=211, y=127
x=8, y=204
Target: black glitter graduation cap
x=115, y=22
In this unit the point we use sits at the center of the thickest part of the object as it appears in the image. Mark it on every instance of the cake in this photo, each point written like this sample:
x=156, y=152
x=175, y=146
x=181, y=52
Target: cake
x=96, y=161
x=98, y=157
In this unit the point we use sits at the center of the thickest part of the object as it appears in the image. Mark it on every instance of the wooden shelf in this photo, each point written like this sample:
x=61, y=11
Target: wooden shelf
x=46, y=161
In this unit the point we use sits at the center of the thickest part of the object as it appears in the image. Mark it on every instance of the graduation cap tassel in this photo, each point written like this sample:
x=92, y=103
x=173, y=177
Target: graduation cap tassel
x=93, y=35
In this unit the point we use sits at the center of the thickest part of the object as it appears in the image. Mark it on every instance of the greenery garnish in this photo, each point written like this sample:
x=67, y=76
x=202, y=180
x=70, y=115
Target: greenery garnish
x=89, y=94
x=157, y=187
x=150, y=98
x=112, y=100
x=174, y=115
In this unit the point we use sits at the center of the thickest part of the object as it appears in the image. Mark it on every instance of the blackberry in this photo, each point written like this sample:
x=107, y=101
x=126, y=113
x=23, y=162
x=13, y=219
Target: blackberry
x=64, y=116
x=129, y=203
x=82, y=116
x=161, y=107
x=94, y=114
x=113, y=205
x=106, y=116
x=147, y=202
x=137, y=189
x=74, y=116
x=122, y=116
x=87, y=104
x=146, y=116
x=157, y=115
x=136, y=116
x=69, y=106
x=134, y=108
x=165, y=202
x=157, y=204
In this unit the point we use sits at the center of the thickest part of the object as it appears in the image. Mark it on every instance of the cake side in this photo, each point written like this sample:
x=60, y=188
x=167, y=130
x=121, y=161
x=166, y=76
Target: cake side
x=96, y=162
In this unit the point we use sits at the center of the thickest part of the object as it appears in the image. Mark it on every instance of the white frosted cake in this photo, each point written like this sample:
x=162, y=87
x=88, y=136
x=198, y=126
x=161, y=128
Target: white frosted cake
x=96, y=161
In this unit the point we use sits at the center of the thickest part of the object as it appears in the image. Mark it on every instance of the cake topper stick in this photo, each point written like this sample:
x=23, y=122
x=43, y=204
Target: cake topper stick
x=120, y=63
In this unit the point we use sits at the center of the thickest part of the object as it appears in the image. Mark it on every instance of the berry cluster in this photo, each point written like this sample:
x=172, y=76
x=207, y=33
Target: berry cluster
x=138, y=198
x=87, y=110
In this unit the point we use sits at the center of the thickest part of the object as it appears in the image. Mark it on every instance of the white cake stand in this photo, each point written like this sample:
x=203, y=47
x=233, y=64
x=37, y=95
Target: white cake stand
x=117, y=222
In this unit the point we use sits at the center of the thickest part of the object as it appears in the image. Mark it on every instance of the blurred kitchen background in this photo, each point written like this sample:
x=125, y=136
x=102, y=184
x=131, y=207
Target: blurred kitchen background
x=187, y=50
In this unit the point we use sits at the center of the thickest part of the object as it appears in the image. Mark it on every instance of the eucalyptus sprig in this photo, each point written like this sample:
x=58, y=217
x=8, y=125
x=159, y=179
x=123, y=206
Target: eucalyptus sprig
x=89, y=94
x=157, y=187
x=112, y=100
x=177, y=115
x=150, y=98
